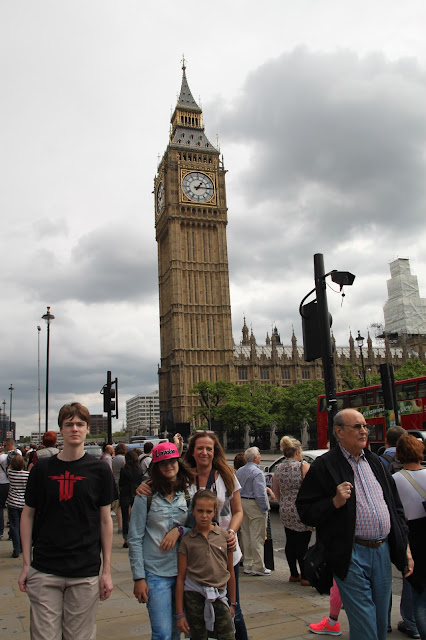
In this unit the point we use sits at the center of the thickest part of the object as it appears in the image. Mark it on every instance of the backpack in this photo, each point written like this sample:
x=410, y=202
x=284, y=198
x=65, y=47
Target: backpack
x=10, y=455
x=144, y=468
x=394, y=465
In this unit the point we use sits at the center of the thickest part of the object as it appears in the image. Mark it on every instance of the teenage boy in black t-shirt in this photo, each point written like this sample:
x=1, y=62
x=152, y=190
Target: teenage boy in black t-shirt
x=67, y=519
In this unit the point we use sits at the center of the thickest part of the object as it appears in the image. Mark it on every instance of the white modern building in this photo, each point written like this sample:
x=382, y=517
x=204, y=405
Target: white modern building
x=143, y=414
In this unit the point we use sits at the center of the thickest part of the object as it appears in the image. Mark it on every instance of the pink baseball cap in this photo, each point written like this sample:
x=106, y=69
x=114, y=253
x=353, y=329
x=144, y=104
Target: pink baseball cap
x=164, y=451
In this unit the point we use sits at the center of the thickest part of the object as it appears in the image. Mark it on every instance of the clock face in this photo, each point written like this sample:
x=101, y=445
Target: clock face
x=160, y=197
x=198, y=187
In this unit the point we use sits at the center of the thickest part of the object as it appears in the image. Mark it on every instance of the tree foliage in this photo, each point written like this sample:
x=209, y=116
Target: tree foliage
x=299, y=403
x=413, y=368
x=258, y=407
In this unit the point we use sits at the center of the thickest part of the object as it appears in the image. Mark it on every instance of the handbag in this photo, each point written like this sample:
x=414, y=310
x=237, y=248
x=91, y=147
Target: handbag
x=268, y=549
x=316, y=568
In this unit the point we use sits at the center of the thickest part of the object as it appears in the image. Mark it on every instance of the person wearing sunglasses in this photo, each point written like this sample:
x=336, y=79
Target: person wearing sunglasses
x=352, y=501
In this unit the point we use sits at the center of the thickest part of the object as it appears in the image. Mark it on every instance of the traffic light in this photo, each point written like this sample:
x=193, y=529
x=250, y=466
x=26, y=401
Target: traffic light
x=110, y=394
x=109, y=399
x=311, y=331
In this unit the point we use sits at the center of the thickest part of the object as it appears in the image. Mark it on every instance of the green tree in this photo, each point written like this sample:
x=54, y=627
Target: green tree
x=210, y=395
x=239, y=406
x=299, y=403
x=413, y=368
x=351, y=376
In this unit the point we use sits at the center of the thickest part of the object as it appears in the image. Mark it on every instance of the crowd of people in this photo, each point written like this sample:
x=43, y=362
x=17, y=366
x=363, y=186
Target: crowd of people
x=190, y=520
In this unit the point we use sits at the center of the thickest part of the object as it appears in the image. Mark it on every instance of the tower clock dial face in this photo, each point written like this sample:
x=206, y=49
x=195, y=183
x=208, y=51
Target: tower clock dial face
x=160, y=197
x=198, y=186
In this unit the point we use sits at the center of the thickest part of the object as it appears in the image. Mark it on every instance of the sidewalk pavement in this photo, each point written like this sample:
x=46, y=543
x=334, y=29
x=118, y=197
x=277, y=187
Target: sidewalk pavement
x=274, y=609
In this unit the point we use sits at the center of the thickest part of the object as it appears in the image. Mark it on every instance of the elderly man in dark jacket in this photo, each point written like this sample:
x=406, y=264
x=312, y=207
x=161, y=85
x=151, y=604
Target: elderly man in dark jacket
x=353, y=502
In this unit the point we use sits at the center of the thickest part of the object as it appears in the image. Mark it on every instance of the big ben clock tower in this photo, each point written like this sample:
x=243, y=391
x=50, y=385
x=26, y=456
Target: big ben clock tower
x=190, y=221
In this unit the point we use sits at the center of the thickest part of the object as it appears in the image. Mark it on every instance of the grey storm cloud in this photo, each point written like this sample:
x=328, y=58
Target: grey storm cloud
x=105, y=265
x=335, y=128
x=335, y=144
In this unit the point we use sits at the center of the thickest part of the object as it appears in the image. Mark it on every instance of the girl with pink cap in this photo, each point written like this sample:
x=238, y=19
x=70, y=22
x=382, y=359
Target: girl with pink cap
x=156, y=524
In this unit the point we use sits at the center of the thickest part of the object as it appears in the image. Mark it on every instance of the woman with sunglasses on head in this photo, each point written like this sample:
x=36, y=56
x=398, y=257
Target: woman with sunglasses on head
x=286, y=483
x=206, y=456
x=156, y=524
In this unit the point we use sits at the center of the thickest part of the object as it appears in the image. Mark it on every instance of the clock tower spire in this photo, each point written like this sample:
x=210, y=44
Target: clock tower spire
x=190, y=220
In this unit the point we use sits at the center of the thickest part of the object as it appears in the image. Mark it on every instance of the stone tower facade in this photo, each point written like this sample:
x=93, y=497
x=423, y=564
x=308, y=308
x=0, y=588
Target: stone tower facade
x=190, y=221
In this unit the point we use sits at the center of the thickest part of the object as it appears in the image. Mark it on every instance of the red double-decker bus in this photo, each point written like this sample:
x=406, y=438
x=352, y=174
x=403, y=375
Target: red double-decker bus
x=411, y=399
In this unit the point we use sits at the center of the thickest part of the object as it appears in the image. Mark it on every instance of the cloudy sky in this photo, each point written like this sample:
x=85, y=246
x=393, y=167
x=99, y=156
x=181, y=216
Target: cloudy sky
x=319, y=106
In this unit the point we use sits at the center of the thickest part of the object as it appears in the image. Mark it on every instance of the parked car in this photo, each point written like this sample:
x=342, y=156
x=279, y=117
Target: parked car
x=309, y=456
x=420, y=434
x=93, y=450
x=140, y=445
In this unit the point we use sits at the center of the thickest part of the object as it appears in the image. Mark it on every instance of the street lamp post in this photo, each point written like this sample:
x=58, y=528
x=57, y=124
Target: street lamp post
x=10, y=422
x=360, y=342
x=48, y=317
x=2, y=419
x=38, y=373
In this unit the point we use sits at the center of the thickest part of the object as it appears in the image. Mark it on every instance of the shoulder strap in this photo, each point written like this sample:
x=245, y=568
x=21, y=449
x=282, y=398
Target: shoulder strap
x=413, y=483
x=210, y=480
x=387, y=457
x=187, y=498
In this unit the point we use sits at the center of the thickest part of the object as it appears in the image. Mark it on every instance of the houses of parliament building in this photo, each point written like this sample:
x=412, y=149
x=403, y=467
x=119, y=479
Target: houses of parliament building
x=193, y=275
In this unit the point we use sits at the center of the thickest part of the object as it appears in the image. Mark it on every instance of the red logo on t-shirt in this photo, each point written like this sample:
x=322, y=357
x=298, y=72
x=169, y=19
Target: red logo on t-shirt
x=66, y=484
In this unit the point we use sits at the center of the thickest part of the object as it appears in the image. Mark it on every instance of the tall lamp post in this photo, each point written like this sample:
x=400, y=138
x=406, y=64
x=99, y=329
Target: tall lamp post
x=10, y=422
x=48, y=317
x=4, y=419
x=360, y=342
x=38, y=372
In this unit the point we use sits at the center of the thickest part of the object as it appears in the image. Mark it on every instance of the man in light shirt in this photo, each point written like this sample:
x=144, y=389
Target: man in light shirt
x=254, y=500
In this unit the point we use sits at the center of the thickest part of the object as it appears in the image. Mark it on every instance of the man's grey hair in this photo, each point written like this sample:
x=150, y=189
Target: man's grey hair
x=338, y=421
x=251, y=453
x=393, y=434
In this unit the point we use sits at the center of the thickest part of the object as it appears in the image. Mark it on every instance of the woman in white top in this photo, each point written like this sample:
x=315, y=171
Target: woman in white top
x=411, y=485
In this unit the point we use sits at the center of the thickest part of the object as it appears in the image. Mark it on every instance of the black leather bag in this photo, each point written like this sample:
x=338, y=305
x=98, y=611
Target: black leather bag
x=316, y=568
x=268, y=551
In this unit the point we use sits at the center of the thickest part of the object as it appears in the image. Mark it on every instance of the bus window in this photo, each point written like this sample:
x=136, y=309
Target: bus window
x=379, y=396
x=356, y=399
x=406, y=391
x=421, y=389
x=369, y=396
x=379, y=432
x=372, y=430
x=342, y=402
x=323, y=406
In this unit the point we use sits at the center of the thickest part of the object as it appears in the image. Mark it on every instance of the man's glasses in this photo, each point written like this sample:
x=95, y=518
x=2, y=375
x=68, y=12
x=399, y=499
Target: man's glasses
x=358, y=426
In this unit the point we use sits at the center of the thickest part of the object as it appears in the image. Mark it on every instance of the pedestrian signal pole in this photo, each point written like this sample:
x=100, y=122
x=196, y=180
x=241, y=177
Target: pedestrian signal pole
x=316, y=323
x=110, y=393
